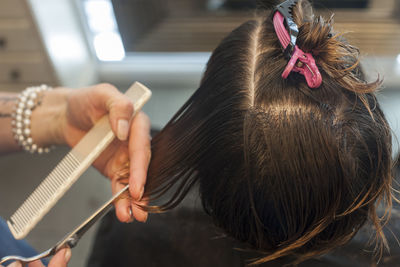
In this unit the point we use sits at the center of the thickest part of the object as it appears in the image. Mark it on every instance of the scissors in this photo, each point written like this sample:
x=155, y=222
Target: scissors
x=71, y=239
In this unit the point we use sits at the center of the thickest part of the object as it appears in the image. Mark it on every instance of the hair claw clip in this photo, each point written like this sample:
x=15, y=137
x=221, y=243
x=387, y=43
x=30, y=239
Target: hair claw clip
x=285, y=9
x=299, y=61
x=304, y=63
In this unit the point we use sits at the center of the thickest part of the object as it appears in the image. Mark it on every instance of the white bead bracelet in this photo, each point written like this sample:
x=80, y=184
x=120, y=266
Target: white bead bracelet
x=28, y=100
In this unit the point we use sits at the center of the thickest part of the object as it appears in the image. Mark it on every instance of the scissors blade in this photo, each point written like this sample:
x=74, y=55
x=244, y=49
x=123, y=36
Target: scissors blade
x=73, y=237
x=70, y=240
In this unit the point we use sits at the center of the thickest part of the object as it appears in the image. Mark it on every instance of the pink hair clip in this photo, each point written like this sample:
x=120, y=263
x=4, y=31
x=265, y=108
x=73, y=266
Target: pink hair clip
x=301, y=62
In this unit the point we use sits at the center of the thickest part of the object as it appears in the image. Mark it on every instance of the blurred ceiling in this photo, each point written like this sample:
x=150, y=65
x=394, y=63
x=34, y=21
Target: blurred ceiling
x=198, y=25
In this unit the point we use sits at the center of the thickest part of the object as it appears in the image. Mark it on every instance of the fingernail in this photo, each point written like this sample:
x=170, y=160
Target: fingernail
x=68, y=254
x=122, y=131
x=131, y=218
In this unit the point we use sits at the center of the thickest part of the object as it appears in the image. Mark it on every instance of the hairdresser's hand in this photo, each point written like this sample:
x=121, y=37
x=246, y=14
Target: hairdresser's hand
x=59, y=260
x=80, y=110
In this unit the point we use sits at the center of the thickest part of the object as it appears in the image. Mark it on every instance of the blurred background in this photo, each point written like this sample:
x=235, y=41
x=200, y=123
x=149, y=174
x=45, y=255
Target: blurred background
x=164, y=44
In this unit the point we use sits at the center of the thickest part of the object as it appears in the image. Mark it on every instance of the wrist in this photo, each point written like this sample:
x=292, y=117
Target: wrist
x=48, y=118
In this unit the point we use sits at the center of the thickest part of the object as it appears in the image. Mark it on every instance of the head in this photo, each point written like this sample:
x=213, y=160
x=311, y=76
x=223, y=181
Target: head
x=287, y=169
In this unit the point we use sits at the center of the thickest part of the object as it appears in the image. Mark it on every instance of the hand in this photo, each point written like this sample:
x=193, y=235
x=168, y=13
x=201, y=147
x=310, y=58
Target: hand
x=74, y=112
x=61, y=259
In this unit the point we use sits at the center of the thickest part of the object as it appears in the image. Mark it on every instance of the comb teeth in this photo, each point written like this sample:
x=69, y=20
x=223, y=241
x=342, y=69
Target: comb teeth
x=39, y=202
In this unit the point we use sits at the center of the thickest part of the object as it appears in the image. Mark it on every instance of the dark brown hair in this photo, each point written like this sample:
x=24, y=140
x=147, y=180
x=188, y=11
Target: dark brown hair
x=284, y=168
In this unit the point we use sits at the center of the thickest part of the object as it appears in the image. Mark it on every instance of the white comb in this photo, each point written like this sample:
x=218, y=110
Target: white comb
x=67, y=172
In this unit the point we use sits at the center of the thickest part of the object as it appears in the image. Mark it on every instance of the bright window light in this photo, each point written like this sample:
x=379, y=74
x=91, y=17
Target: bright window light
x=100, y=15
x=66, y=47
x=109, y=46
x=398, y=59
x=101, y=20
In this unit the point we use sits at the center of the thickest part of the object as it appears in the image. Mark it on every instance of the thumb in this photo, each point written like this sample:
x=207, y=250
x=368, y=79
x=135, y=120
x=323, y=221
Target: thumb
x=120, y=110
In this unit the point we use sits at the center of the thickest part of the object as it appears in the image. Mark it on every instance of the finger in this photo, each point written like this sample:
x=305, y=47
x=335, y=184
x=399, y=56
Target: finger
x=19, y=264
x=119, y=108
x=122, y=205
x=139, y=154
x=139, y=214
x=37, y=263
x=113, y=161
x=61, y=258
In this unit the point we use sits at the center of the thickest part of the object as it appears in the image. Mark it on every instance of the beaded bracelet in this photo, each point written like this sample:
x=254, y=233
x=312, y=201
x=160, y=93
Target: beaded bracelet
x=28, y=100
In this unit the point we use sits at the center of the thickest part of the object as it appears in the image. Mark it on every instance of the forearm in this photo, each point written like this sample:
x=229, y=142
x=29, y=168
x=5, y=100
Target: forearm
x=48, y=117
x=7, y=105
x=45, y=121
